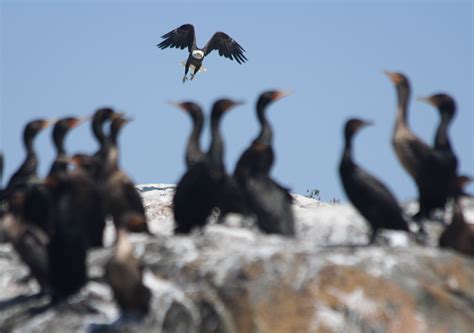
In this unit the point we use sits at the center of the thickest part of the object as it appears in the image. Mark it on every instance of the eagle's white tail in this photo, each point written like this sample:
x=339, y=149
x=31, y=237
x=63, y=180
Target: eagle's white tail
x=191, y=67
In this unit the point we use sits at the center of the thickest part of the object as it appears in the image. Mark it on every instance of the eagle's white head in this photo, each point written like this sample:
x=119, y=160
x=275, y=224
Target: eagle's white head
x=198, y=54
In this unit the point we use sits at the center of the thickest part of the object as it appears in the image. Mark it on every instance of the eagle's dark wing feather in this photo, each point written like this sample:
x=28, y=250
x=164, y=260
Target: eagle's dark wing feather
x=226, y=46
x=180, y=38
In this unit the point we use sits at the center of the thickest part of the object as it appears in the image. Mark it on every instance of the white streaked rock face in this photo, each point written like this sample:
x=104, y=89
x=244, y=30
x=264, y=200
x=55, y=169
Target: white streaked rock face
x=232, y=278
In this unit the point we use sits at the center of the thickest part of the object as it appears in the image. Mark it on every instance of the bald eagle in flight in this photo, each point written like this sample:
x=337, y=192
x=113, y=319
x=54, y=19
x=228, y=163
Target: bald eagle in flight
x=184, y=36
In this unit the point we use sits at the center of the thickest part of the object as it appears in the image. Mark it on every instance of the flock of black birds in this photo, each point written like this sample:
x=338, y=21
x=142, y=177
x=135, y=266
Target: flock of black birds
x=53, y=222
x=434, y=170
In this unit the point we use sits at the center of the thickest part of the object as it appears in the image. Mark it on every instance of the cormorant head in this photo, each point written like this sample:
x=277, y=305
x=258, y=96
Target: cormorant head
x=190, y=107
x=117, y=123
x=223, y=105
x=399, y=79
x=197, y=54
x=443, y=102
x=65, y=124
x=101, y=115
x=35, y=126
x=270, y=96
x=353, y=126
x=98, y=120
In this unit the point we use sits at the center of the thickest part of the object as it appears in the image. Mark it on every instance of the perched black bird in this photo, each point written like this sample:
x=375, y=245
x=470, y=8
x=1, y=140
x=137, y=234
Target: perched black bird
x=74, y=200
x=27, y=172
x=184, y=37
x=122, y=197
x=370, y=196
x=227, y=194
x=60, y=130
x=36, y=202
x=265, y=198
x=28, y=240
x=459, y=235
x=197, y=191
x=448, y=162
x=100, y=117
x=124, y=274
x=80, y=193
x=426, y=165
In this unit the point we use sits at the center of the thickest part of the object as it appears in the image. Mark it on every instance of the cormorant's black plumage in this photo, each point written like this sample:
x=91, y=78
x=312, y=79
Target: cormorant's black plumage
x=60, y=130
x=205, y=184
x=266, y=199
x=123, y=198
x=459, y=234
x=369, y=195
x=124, y=274
x=426, y=165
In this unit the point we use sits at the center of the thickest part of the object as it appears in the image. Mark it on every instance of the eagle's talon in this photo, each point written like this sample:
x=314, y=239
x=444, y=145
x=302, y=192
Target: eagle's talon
x=185, y=78
x=192, y=77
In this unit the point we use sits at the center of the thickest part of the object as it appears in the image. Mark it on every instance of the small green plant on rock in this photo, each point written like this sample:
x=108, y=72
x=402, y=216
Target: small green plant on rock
x=313, y=194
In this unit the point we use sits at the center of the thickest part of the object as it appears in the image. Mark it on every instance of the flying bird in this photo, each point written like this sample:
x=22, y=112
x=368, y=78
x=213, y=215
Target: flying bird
x=184, y=37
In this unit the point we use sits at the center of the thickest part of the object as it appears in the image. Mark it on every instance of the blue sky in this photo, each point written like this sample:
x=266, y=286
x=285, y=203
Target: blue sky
x=71, y=57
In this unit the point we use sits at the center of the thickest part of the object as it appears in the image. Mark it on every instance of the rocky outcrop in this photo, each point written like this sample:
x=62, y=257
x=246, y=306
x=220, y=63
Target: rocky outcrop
x=231, y=278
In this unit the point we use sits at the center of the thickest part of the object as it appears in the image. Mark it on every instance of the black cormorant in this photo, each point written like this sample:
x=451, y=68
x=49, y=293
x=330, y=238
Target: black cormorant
x=36, y=206
x=123, y=198
x=268, y=200
x=28, y=240
x=184, y=37
x=422, y=162
x=60, y=130
x=459, y=235
x=196, y=191
x=124, y=274
x=448, y=162
x=27, y=172
x=368, y=195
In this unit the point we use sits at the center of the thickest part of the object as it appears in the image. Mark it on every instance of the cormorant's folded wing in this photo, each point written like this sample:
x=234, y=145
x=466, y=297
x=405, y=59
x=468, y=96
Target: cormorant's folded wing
x=226, y=46
x=180, y=38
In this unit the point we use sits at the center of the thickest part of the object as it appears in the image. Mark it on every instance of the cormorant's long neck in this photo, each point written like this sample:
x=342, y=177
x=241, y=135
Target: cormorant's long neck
x=403, y=96
x=441, y=138
x=97, y=128
x=28, y=139
x=111, y=161
x=347, y=154
x=265, y=136
x=58, y=139
x=193, y=150
x=216, y=149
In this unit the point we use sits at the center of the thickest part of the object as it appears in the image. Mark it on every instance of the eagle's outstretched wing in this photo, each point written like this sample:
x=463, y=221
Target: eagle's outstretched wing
x=226, y=46
x=180, y=38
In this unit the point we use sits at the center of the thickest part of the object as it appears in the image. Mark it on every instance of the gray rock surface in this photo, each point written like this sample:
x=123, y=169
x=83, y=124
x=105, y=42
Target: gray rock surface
x=231, y=278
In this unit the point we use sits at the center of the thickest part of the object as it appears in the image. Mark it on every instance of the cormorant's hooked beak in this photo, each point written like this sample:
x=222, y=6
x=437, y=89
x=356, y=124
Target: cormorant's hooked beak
x=78, y=121
x=177, y=105
x=425, y=100
x=392, y=76
x=281, y=93
x=117, y=115
x=237, y=103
